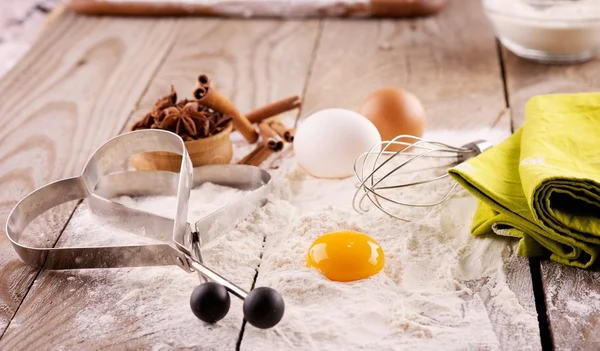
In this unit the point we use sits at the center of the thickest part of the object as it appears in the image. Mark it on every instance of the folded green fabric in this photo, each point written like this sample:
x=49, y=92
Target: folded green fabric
x=542, y=184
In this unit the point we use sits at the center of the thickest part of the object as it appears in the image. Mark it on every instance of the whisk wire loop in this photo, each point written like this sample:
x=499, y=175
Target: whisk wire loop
x=415, y=149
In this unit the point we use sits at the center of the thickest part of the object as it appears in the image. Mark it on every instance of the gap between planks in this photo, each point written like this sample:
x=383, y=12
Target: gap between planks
x=297, y=117
x=39, y=270
x=561, y=287
x=49, y=25
x=305, y=83
x=454, y=74
x=148, y=96
x=72, y=212
x=534, y=264
x=540, y=303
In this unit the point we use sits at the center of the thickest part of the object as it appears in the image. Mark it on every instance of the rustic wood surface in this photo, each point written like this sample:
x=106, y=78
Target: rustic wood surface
x=72, y=83
x=256, y=63
x=90, y=78
x=20, y=23
x=451, y=64
x=571, y=296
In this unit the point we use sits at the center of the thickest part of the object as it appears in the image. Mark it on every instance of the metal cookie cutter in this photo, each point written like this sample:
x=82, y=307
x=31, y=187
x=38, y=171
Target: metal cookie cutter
x=106, y=175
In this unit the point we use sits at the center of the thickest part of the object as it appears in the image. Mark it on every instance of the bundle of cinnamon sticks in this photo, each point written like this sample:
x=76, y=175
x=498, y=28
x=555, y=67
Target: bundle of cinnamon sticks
x=272, y=130
x=188, y=117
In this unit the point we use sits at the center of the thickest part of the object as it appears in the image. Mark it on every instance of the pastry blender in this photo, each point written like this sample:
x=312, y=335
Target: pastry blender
x=106, y=175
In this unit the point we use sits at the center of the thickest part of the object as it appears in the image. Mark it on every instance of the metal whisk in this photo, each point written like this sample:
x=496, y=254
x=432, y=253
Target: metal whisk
x=375, y=170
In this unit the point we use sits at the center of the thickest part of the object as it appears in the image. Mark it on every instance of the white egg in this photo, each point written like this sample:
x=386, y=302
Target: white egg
x=329, y=141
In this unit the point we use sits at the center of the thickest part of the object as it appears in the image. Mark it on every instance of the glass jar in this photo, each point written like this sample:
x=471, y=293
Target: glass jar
x=549, y=31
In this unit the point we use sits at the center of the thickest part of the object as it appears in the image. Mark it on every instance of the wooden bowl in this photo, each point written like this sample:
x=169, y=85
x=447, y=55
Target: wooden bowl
x=216, y=149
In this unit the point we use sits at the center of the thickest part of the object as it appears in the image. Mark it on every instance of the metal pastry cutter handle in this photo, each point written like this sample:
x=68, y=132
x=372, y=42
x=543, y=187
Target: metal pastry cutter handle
x=106, y=175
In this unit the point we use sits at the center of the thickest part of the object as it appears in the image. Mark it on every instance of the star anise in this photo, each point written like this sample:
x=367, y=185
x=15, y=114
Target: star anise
x=188, y=119
x=145, y=123
x=157, y=114
x=165, y=101
x=178, y=121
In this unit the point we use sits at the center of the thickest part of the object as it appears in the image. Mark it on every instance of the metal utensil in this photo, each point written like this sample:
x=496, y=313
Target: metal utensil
x=106, y=175
x=372, y=169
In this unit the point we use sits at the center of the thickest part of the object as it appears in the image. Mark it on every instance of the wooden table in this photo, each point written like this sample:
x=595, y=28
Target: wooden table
x=88, y=78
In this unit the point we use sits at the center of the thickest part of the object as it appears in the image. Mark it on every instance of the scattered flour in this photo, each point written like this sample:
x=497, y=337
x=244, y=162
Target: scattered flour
x=158, y=296
x=20, y=21
x=440, y=289
x=203, y=200
x=250, y=8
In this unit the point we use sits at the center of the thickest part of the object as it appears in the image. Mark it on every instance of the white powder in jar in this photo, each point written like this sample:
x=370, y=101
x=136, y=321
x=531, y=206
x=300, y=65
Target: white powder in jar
x=550, y=30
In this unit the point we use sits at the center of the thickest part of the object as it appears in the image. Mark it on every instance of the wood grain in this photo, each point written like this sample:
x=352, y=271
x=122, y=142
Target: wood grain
x=451, y=64
x=525, y=79
x=571, y=295
x=573, y=306
x=72, y=91
x=20, y=21
x=253, y=63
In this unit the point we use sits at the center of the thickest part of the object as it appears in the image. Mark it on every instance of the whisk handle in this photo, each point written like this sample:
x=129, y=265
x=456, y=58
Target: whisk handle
x=474, y=148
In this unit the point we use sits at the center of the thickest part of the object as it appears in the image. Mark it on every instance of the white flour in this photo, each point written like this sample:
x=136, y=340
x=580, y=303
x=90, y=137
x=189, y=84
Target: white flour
x=159, y=296
x=440, y=289
x=548, y=9
x=565, y=30
x=20, y=21
x=249, y=8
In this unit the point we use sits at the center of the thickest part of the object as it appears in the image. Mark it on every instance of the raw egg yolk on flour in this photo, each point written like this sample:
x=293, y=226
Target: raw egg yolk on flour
x=345, y=256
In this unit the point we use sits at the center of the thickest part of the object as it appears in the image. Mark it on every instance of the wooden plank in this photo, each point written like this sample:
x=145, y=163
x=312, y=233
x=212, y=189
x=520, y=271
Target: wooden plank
x=254, y=62
x=526, y=79
x=573, y=306
x=71, y=92
x=571, y=295
x=20, y=21
x=452, y=65
x=269, y=66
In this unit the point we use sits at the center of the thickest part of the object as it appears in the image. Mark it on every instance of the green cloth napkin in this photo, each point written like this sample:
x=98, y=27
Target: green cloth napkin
x=542, y=184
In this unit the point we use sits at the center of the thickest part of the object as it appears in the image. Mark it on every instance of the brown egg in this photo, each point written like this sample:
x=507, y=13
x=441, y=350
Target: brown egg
x=394, y=112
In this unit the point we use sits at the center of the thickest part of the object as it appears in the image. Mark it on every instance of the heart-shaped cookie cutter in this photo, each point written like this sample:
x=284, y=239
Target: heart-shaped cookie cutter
x=107, y=175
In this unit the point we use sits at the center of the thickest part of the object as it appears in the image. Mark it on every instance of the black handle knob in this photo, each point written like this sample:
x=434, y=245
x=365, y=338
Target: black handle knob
x=263, y=307
x=210, y=302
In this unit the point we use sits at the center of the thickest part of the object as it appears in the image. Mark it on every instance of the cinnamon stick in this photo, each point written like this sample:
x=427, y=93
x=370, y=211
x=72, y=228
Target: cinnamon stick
x=257, y=156
x=270, y=138
x=287, y=134
x=274, y=109
x=208, y=96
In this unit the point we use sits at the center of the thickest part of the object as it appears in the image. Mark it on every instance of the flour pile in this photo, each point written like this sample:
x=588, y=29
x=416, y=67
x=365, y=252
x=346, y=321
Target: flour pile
x=578, y=10
x=440, y=288
x=157, y=298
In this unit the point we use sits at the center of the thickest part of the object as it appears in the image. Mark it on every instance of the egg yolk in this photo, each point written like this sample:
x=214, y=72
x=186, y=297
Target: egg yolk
x=345, y=256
